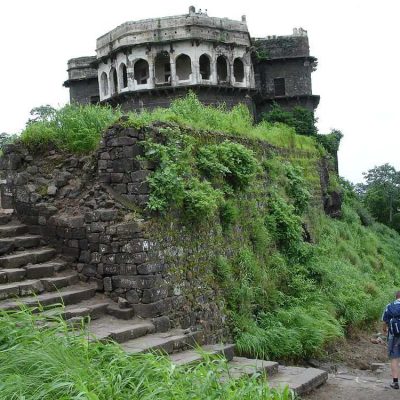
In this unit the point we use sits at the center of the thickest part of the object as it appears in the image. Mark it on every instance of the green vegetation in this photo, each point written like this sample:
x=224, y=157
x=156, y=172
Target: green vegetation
x=39, y=362
x=72, y=128
x=293, y=279
x=301, y=119
x=78, y=129
x=196, y=177
x=381, y=194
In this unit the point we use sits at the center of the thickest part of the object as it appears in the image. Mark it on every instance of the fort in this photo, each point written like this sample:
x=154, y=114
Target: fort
x=149, y=63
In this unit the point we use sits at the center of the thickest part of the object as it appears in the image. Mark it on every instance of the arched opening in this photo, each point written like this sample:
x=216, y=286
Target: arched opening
x=183, y=65
x=222, y=69
x=114, y=81
x=238, y=70
x=141, y=71
x=123, y=76
x=205, y=66
x=104, y=84
x=162, y=68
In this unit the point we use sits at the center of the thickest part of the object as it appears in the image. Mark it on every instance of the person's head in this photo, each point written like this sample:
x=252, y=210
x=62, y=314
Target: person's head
x=397, y=294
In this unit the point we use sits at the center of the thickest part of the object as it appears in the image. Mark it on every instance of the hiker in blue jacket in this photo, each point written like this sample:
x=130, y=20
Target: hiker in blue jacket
x=391, y=319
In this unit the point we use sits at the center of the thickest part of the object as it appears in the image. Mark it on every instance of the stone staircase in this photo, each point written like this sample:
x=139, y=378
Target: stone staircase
x=32, y=274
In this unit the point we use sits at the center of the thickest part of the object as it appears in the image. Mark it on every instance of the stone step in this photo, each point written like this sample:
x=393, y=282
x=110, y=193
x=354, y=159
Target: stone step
x=167, y=342
x=10, y=244
x=6, y=216
x=300, y=380
x=21, y=258
x=34, y=271
x=70, y=295
x=241, y=366
x=90, y=309
x=36, y=286
x=13, y=230
x=197, y=355
x=46, y=269
x=58, y=282
x=111, y=328
x=19, y=289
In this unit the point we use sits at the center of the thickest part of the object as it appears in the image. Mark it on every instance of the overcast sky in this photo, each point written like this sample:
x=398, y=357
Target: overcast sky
x=355, y=41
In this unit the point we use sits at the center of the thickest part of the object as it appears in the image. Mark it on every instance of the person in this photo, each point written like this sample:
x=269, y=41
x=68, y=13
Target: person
x=393, y=310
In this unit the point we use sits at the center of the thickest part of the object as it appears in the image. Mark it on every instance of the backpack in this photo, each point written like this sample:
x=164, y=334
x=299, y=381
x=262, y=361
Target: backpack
x=394, y=323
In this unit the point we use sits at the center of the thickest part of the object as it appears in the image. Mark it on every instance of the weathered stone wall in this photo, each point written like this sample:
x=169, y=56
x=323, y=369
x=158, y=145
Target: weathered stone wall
x=92, y=209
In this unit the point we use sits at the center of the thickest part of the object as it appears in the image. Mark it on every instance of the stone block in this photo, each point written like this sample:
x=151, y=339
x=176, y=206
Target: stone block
x=152, y=310
x=138, y=188
x=116, y=269
x=128, y=229
x=137, y=245
x=121, y=141
x=131, y=132
x=105, y=155
x=89, y=270
x=117, y=177
x=107, y=215
x=136, y=281
x=96, y=227
x=140, y=176
x=162, y=324
x=150, y=268
x=107, y=284
x=122, y=165
x=132, y=296
x=85, y=257
x=154, y=294
x=131, y=258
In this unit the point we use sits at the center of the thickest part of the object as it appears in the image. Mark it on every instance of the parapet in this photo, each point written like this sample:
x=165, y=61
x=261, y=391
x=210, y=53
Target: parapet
x=81, y=68
x=191, y=26
x=289, y=46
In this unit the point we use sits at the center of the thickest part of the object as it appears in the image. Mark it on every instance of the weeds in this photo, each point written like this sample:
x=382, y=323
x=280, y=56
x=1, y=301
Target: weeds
x=39, y=361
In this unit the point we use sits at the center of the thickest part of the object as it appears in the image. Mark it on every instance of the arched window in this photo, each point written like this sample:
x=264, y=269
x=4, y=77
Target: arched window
x=114, y=81
x=162, y=68
x=183, y=65
x=104, y=84
x=238, y=70
x=222, y=69
x=123, y=74
x=141, y=71
x=205, y=66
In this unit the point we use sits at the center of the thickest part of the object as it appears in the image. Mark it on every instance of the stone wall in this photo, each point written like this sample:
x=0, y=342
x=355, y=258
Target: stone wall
x=93, y=210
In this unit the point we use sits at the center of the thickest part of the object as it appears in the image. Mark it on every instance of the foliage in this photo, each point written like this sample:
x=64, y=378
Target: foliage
x=331, y=141
x=301, y=119
x=195, y=177
x=231, y=161
x=381, y=194
x=74, y=128
x=41, y=361
x=190, y=112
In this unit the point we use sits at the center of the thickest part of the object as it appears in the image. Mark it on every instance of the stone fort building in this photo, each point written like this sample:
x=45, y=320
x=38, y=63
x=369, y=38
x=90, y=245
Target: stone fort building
x=149, y=63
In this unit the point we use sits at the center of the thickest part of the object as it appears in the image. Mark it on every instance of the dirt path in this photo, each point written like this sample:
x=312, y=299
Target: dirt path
x=351, y=377
x=357, y=385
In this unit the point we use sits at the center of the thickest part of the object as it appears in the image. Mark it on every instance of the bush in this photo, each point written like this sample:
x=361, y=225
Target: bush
x=301, y=119
x=231, y=161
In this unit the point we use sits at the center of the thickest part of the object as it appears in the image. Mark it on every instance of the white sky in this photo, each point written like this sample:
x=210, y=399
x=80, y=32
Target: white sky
x=355, y=41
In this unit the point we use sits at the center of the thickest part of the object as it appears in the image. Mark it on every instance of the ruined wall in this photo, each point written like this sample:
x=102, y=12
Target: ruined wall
x=92, y=209
x=164, y=98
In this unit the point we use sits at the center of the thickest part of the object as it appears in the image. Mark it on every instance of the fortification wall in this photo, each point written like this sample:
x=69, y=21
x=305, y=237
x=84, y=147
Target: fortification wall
x=92, y=209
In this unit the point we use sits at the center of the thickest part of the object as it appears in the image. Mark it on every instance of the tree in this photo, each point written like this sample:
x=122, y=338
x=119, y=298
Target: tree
x=381, y=194
x=42, y=114
x=301, y=119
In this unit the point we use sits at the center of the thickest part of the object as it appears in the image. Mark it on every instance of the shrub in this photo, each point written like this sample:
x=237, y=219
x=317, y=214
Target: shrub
x=234, y=162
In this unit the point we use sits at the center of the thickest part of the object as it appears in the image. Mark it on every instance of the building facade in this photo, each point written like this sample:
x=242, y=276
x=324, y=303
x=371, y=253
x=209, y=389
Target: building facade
x=149, y=63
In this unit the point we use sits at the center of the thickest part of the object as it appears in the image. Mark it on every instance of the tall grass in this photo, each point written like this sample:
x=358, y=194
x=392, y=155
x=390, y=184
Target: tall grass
x=190, y=112
x=74, y=128
x=39, y=362
x=78, y=128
